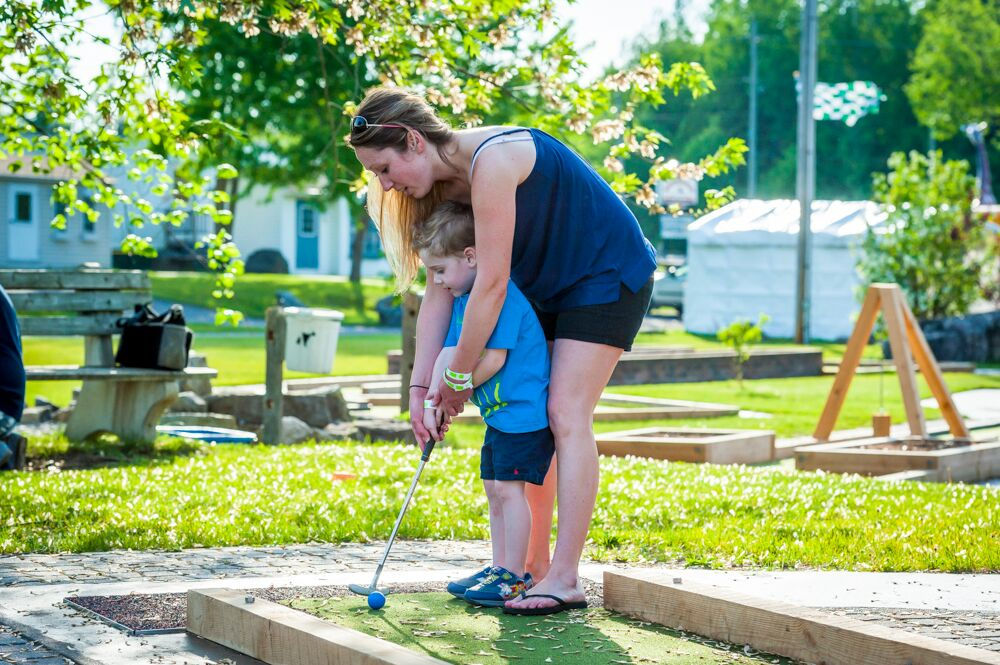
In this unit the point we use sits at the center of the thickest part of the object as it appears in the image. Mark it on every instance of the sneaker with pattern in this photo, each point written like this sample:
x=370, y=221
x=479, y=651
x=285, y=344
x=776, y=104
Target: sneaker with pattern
x=497, y=588
x=458, y=588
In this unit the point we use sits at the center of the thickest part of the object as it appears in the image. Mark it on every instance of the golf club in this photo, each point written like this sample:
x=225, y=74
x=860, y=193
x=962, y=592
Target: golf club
x=367, y=590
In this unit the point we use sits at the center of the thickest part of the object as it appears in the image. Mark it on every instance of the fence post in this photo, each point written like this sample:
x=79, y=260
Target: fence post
x=411, y=307
x=274, y=335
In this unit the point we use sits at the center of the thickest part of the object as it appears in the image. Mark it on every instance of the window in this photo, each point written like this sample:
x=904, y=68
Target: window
x=307, y=221
x=22, y=208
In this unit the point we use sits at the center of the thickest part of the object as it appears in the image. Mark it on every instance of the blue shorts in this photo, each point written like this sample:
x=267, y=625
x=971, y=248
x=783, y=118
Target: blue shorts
x=516, y=456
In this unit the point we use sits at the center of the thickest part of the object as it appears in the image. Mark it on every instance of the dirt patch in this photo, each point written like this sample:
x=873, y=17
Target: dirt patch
x=919, y=445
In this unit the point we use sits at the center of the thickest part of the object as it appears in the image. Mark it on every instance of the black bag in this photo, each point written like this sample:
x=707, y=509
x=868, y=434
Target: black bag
x=154, y=341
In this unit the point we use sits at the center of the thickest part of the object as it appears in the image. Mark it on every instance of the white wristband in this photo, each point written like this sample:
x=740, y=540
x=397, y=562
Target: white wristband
x=429, y=404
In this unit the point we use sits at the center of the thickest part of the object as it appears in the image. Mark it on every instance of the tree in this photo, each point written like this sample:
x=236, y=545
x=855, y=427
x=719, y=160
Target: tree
x=955, y=79
x=468, y=58
x=738, y=336
x=930, y=245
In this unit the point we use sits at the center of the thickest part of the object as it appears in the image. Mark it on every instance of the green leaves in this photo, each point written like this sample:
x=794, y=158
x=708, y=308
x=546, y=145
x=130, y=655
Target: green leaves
x=930, y=245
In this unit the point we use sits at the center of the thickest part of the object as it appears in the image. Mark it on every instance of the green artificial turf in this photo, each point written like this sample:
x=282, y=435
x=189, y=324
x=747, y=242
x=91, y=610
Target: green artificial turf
x=451, y=630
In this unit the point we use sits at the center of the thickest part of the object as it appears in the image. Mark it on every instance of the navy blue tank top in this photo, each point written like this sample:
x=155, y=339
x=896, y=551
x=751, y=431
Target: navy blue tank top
x=575, y=240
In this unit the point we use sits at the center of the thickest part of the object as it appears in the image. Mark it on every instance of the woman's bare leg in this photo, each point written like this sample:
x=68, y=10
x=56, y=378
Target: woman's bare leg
x=580, y=371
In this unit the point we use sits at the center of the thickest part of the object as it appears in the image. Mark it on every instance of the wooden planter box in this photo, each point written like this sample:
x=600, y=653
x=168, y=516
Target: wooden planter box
x=961, y=461
x=715, y=446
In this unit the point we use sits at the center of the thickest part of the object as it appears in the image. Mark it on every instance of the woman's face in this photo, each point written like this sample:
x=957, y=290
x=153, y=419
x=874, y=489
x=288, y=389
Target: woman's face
x=408, y=171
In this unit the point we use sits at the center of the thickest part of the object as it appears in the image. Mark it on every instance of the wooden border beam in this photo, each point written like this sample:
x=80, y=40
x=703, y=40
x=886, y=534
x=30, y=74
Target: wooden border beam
x=280, y=635
x=782, y=628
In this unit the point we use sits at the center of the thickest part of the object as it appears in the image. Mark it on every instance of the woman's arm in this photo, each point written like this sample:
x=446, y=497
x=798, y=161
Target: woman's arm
x=494, y=186
x=432, y=327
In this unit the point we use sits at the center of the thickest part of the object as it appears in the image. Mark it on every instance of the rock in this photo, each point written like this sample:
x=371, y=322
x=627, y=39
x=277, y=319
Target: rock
x=201, y=385
x=385, y=430
x=340, y=432
x=202, y=419
x=189, y=402
x=317, y=407
x=294, y=430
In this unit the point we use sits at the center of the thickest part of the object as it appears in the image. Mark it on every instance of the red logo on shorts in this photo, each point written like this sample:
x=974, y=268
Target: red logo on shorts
x=515, y=472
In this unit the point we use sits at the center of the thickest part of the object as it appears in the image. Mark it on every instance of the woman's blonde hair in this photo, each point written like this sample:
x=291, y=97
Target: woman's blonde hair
x=447, y=231
x=395, y=213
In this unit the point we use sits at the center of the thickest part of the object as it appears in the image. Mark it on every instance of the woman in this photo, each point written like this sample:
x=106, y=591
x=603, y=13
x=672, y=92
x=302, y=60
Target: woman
x=547, y=220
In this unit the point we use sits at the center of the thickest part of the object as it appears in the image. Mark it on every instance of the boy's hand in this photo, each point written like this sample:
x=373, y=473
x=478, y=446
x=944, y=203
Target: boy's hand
x=450, y=402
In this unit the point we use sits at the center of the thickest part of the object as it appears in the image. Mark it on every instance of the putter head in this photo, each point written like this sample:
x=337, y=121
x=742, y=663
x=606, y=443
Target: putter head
x=365, y=590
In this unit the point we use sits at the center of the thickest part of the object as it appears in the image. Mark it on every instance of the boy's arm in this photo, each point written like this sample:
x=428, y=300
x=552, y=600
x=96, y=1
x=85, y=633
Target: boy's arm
x=489, y=364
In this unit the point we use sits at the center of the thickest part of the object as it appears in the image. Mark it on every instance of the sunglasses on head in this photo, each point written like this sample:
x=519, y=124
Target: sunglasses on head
x=360, y=123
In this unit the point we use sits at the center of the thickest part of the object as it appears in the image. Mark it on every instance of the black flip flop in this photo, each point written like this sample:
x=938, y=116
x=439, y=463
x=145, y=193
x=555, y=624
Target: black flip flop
x=561, y=606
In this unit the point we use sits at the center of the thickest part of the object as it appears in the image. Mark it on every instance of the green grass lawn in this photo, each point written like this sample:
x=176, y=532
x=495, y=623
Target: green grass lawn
x=647, y=510
x=451, y=630
x=255, y=293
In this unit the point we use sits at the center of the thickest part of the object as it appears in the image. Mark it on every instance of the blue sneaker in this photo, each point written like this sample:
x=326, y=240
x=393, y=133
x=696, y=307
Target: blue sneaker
x=459, y=587
x=497, y=588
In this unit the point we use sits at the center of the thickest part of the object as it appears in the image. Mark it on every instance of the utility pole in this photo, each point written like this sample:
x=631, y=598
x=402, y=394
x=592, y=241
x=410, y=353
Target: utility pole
x=752, y=138
x=806, y=168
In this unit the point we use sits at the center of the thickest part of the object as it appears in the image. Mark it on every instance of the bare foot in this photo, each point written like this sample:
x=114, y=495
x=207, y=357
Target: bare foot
x=549, y=587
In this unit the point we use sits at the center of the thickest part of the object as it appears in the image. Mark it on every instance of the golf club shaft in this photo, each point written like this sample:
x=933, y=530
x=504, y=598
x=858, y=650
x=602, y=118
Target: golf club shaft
x=399, y=520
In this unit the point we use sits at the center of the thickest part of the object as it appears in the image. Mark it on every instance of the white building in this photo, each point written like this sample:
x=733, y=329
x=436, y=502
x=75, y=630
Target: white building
x=742, y=263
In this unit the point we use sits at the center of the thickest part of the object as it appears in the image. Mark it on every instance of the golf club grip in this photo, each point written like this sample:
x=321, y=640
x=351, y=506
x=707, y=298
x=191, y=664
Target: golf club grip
x=428, y=447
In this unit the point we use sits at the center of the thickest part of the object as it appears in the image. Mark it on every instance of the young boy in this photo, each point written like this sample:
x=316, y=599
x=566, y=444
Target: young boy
x=511, y=390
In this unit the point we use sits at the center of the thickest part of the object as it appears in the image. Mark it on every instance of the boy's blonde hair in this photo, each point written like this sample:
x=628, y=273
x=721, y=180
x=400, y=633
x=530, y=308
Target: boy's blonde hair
x=448, y=230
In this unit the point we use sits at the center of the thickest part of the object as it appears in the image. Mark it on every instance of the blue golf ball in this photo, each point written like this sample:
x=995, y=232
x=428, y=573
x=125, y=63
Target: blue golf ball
x=376, y=600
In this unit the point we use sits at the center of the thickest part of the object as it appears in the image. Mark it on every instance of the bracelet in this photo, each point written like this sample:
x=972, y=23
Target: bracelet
x=458, y=387
x=429, y=404
x=461, y=377
x=414, y=385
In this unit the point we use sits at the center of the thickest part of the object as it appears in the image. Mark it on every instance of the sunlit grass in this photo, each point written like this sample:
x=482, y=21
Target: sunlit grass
x=646, y=510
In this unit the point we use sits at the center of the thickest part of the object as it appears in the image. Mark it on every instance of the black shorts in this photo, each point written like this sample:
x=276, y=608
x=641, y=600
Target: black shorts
x=615, y=324
x=516, y=456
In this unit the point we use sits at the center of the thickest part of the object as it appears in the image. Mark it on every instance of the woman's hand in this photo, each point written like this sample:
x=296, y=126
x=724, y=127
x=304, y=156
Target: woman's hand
x=417, y=396
x=450, y=402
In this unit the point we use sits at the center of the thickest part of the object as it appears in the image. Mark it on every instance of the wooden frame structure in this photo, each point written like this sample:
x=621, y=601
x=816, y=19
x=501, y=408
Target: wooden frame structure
x=776, y=627
x=908, y=345
x=714, y=446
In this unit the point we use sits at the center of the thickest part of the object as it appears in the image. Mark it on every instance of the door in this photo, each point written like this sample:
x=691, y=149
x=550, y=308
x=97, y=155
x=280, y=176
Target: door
x=22, y=223
x=306, y=237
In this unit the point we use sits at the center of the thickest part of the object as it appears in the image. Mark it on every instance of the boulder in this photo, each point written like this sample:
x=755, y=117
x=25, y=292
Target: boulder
x=317, y=407
x=294, y=430
x=339, y=432
x=973, y=338
x=189, y=402
x=385, y=430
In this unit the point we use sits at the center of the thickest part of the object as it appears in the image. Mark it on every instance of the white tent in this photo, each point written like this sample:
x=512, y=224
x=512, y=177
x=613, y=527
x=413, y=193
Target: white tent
x=742, y=260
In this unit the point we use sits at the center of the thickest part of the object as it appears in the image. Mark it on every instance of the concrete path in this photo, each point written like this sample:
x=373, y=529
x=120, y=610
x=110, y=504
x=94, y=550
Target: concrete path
x=37, y=628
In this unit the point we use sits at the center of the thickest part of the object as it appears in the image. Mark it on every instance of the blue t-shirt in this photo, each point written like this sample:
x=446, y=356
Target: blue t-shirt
x=515, y=399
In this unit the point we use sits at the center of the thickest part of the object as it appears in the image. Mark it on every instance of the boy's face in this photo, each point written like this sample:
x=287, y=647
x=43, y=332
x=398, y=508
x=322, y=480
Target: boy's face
x=454, y=273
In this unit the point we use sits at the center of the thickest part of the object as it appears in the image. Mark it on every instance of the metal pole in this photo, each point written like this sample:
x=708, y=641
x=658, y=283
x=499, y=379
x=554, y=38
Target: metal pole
x=752, y=138
x=806, y=168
